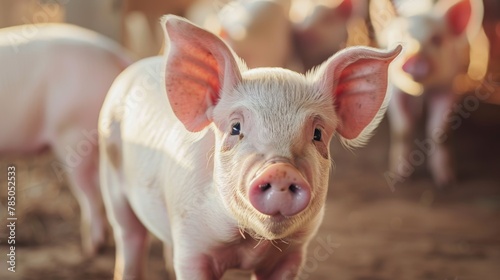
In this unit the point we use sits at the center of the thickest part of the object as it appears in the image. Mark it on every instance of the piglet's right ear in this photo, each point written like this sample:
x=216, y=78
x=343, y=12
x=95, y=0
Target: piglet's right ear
x=199, y=67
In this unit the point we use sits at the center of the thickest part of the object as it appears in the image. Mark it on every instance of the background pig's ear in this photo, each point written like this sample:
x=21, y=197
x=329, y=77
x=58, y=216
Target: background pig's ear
x=457, y=15
x=199, y=67
x=357, y=78
x=345, y=8
x=382, y=12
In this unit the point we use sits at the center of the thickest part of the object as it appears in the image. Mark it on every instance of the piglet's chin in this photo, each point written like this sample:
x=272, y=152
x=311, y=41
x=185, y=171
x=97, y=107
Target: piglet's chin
x=278, y=227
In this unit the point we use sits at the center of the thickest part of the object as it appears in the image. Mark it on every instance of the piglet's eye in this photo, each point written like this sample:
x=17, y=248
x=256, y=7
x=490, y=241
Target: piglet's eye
x=317, y=134
x=235, y=130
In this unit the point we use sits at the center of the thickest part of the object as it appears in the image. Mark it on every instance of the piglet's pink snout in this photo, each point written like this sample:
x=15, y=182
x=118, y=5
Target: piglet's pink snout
x=280, y=189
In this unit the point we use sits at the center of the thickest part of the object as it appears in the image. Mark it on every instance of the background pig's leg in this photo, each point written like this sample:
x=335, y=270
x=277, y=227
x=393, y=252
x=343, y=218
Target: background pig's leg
x=169, y=261
x=83, y=181
x=85, y=187
x=437, y=130
x=404, y=113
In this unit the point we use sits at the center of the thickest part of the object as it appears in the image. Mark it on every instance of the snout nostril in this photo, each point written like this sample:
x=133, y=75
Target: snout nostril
x=294, y=188
x=265, y=187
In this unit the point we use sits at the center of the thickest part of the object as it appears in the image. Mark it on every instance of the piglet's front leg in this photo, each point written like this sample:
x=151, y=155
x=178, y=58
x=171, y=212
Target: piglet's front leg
x=288, y=268
x=190, y=263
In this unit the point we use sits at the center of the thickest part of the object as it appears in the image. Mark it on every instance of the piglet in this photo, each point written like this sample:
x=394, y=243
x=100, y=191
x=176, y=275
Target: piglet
x=53, y=79
x=228, y=166
x=435, y=59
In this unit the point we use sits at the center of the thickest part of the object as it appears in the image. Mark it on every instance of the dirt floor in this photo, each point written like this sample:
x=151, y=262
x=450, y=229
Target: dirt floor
x=411, y=231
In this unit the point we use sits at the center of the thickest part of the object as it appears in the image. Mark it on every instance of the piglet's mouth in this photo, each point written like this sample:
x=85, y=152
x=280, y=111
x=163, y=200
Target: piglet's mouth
x=278, y=218
x=282, y=227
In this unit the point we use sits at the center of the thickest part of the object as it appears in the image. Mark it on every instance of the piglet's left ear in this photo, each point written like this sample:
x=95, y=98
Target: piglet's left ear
x=357, y=79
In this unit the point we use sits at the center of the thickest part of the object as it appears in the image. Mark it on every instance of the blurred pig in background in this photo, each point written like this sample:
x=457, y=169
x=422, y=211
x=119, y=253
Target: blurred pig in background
x=259, y=31
x=293, y=34
x=430, y=73
x=140, y=28
x=134, y=23
x=320, y=28
x=53, y=80
x=17, y=12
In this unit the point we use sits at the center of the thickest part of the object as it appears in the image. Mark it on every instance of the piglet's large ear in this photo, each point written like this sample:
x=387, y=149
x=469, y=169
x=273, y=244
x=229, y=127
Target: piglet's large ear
x=200, y=66
x=357, y=79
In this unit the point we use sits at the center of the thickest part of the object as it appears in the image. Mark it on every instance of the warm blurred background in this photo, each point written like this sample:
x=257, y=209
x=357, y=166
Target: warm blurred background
x=411, y=230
